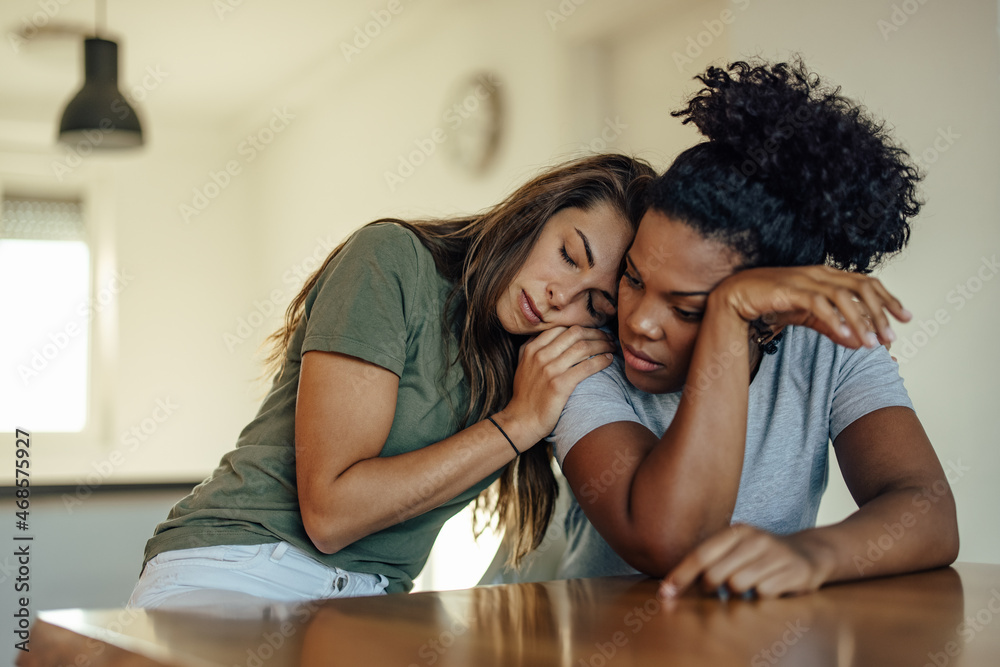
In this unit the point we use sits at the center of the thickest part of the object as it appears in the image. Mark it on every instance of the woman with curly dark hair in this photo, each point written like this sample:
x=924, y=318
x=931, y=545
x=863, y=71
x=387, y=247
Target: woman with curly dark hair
x=700, y=455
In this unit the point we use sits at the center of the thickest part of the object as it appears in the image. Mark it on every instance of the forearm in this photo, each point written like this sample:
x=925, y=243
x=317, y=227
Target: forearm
x=686, y=488
x=379, y=492
x=903, y=530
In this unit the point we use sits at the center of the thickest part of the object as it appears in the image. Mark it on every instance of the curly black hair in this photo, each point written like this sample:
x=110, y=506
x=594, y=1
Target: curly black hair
x=792, y=173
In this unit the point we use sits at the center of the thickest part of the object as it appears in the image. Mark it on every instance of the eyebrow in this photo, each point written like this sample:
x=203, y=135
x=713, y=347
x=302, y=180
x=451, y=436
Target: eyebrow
x=590, y=261
x=628, y=258
x=586, y=247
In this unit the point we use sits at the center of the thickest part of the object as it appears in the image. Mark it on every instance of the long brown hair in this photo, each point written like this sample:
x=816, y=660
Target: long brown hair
x=481, y=255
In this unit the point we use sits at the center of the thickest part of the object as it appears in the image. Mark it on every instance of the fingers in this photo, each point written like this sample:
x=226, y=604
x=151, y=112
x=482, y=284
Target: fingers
x=858, y=317
x=874, y=304
x=549, y=368
x=695, y=563
x=566, y=347
x=737, y=559
x=750, y=575
x=582, y=370
x=744, y=560
x=862, y=304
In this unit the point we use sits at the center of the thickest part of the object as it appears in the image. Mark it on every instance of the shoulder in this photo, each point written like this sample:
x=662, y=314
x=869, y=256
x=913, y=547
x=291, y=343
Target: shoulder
x=813, y=352
x=603, y=398
x=851, y=382
x=609, y=383
x=383, y=252
x=386, y=241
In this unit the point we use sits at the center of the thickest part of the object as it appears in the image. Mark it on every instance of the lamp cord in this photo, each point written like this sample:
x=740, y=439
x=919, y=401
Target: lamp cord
x=100, y=16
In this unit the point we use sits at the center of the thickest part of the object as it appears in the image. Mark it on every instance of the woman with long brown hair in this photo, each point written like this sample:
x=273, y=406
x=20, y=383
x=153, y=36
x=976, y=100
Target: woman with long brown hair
x=418, y=362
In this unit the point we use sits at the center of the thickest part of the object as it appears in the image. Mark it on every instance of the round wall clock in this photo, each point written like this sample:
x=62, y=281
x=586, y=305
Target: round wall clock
x=474, y=122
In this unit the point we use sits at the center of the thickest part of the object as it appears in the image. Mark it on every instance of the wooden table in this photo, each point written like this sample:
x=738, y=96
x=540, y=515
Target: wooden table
x=940, y=618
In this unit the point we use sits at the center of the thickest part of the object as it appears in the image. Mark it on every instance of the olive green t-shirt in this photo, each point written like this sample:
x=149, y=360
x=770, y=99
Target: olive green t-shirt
x=382, y=300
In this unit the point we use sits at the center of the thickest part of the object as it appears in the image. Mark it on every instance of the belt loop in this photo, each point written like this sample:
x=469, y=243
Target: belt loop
x=279, y=551
x=340, y=579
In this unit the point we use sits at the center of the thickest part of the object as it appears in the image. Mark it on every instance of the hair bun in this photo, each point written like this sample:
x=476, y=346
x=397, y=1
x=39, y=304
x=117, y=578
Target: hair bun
x=814, y=149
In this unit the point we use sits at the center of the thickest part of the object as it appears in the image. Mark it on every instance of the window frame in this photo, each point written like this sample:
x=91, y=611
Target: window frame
x=73, y=457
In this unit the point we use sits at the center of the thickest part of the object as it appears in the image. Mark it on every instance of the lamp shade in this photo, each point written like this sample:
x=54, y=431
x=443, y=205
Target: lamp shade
x=99, y=114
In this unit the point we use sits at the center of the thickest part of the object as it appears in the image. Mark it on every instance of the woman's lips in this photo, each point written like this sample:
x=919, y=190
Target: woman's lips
x=528, y=309
x=638, y=360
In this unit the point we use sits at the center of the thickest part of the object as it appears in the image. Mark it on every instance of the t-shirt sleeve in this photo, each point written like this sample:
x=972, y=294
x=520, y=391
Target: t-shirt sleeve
x=867, y=380
x=600, y=399
x=359, y=306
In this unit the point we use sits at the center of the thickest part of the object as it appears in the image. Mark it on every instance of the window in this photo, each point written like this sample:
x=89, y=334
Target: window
x=45, y=283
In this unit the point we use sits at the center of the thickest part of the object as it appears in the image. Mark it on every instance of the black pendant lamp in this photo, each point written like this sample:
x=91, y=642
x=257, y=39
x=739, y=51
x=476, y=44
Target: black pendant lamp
x=99, y=115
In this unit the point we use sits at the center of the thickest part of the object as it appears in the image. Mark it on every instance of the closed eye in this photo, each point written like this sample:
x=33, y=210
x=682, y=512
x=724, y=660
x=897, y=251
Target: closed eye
x=598, y=317
x=565, y=256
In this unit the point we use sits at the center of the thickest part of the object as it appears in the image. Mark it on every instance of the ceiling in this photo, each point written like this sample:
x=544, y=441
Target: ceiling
x=190, y=60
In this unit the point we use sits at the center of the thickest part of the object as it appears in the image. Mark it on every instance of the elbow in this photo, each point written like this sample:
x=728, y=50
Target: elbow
x=655, y=546
x=947, y=534
x=951, y=554
x=653, y=553
x=941, y=542
x=949, y=540
x=321, y=531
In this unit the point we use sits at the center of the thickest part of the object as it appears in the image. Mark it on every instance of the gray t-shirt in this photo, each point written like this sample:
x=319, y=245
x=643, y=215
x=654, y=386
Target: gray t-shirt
x=801, y=398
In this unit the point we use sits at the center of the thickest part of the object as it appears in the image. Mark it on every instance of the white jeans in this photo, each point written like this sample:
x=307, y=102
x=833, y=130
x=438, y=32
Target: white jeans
x=240, y=574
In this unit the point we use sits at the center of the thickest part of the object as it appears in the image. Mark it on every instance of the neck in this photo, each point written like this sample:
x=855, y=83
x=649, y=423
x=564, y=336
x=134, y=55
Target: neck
x=756, y=356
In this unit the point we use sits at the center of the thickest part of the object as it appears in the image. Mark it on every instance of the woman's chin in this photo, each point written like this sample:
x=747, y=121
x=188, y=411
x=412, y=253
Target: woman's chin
x=649, y=382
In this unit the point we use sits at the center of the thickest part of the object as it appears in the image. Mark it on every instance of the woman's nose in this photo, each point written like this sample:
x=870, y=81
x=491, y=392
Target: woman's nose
x=642, y=320
x=558, y=296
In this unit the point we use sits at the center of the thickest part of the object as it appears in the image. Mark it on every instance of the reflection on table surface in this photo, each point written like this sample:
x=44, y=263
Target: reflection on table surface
x=940, y=618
